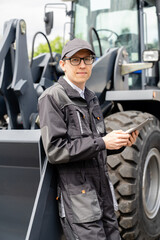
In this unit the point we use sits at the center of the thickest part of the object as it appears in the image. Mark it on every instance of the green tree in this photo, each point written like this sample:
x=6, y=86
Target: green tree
x=56, y=46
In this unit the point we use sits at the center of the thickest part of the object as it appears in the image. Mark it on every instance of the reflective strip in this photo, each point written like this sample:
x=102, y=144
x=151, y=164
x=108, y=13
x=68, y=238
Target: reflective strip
x=113, y=196
x=80, y=123
x=62, y=207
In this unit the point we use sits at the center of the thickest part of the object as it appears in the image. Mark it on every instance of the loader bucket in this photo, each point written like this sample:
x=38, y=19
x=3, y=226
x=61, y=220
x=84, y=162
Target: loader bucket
x=28, y=208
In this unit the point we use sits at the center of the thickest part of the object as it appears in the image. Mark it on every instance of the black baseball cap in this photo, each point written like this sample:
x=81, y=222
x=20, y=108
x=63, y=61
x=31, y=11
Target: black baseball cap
x=74, y=46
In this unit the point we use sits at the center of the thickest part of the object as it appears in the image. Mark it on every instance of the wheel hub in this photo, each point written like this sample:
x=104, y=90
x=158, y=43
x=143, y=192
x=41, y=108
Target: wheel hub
x=151, y=183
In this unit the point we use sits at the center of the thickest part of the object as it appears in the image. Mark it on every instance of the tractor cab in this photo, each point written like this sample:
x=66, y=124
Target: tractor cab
x=111, y=24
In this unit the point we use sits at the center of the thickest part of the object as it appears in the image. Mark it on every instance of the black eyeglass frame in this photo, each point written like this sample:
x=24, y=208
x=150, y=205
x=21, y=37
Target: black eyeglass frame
x=80, y=59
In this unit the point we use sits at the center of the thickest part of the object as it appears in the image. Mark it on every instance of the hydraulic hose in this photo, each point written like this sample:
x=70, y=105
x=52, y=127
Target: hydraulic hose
x=33, y=42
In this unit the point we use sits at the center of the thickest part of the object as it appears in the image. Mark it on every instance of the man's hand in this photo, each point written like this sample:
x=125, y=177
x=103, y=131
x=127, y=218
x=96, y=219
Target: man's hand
x=117, y=139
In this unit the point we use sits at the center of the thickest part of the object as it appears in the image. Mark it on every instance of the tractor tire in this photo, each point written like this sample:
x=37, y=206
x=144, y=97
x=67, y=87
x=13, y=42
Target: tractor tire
x=135, y=174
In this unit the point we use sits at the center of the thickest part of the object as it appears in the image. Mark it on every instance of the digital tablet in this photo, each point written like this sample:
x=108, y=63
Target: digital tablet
x=139, y=126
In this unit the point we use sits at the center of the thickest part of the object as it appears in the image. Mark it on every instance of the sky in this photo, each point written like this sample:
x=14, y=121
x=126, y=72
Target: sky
x=32, y=11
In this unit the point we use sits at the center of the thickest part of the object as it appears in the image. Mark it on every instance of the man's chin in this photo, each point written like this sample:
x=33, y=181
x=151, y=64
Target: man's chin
x=82, y=78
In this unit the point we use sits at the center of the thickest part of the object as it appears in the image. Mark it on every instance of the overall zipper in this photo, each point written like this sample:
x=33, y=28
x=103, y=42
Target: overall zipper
x=93, y=122
x=96, y=126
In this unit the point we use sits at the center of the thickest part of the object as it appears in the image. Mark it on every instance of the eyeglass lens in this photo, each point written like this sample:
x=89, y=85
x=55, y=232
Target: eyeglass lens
x=87, y=60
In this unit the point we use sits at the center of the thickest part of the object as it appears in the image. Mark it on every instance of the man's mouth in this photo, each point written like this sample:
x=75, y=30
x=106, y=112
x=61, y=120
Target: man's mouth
x=82, y=73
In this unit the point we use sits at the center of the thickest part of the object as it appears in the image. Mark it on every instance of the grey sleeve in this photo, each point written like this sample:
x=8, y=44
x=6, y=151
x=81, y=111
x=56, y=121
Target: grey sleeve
x=54, y=136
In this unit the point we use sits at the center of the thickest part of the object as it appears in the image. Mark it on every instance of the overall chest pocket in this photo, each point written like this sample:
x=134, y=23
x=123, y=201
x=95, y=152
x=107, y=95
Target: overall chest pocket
x=98, y=120
x=73, y=123
x=78, y=123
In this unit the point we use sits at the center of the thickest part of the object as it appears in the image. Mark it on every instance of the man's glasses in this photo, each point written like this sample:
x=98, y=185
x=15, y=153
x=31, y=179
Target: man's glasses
x=75, y=61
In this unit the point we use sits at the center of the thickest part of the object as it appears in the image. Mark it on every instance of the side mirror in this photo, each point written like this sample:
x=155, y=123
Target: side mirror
x=48, y=19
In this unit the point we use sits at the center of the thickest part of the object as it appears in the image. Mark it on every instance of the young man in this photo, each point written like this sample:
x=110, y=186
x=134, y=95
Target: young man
x=74, y=139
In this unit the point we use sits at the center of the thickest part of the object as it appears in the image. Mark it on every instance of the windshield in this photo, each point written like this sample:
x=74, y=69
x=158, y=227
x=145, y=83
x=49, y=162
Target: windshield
x=110, y=20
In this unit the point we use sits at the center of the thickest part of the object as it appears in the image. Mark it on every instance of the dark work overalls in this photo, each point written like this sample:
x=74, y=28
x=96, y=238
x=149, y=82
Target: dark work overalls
x=72, y=130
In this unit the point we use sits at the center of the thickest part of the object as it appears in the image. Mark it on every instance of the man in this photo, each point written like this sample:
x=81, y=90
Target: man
x=74, y=139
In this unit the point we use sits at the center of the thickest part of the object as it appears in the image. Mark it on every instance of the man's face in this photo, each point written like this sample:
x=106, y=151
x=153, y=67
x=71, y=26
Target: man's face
x=78, y=75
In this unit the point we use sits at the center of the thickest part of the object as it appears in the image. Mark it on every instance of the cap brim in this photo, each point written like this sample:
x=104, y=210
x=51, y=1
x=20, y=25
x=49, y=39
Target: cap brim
x=74, y=51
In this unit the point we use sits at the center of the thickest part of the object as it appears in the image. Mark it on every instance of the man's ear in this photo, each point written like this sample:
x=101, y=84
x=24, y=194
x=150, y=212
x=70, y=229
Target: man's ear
x=62, y=63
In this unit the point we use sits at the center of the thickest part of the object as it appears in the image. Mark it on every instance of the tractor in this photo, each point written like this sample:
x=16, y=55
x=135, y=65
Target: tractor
x=125, y=36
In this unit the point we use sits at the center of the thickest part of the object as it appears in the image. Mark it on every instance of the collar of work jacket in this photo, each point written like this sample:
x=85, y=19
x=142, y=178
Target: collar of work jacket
x=81, y=92
x=72, y=93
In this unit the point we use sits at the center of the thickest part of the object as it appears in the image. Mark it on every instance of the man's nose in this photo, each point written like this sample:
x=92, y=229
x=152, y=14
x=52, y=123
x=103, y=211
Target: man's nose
x=82, y=64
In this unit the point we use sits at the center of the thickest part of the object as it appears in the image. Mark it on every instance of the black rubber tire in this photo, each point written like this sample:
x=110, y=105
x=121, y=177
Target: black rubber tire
x=136, y=178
